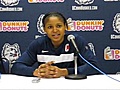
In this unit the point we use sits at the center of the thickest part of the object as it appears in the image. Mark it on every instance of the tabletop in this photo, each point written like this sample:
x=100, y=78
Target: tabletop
x=9, y=81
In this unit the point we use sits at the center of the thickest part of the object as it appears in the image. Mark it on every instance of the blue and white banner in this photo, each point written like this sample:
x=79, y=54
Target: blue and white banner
x=98, y=21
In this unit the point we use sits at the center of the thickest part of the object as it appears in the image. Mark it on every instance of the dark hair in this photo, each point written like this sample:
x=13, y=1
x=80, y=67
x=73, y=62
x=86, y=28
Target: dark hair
x=57, y=14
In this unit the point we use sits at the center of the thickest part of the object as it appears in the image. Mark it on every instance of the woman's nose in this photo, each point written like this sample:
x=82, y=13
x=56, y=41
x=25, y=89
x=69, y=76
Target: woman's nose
x=54, y=29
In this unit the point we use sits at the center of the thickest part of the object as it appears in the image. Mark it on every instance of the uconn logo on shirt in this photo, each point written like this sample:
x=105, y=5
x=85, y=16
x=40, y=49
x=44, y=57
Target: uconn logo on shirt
x=67, y=47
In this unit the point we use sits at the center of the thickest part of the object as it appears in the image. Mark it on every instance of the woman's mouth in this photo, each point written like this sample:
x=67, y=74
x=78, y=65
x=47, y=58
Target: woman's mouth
x=56, y=36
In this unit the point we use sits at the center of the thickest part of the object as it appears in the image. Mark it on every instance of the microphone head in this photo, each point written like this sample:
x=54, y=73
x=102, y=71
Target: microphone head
x=70, y=37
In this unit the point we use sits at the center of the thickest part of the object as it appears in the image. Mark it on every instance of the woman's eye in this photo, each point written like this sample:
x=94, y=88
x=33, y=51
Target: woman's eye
x=49, y=27
x=59, y=26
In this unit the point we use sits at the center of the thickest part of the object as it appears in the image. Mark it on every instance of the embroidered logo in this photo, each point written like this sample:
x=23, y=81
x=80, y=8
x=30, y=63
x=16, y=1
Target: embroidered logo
x=67, y=47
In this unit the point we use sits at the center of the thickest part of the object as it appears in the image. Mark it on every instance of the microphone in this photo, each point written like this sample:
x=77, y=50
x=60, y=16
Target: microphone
x=75, y=76
x=72, y=39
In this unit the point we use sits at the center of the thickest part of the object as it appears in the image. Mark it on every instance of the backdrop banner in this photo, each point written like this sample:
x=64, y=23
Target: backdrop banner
x=98, y=21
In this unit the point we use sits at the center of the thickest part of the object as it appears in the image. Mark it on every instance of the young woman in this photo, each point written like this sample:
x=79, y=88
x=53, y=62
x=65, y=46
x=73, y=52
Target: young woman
x=52, y=56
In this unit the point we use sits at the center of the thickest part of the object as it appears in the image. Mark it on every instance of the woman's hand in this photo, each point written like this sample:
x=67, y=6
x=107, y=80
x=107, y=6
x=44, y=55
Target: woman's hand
x=49, y=71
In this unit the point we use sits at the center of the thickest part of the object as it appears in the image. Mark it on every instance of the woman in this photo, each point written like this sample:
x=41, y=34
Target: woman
x=51, y=56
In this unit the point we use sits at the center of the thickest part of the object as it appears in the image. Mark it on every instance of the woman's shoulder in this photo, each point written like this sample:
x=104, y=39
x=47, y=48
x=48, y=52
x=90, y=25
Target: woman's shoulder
x=39, y=40
x=42, y=39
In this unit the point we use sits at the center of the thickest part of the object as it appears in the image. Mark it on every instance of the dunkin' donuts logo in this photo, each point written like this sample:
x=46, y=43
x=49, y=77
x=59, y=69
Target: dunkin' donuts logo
x=14, y=26
x=111, y=54
x=85, y=25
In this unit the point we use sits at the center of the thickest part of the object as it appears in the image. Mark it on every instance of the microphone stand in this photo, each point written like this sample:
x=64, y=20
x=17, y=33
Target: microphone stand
x=75, y=76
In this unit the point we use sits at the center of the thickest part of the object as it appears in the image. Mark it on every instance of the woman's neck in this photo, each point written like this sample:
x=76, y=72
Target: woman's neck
x=57, y=44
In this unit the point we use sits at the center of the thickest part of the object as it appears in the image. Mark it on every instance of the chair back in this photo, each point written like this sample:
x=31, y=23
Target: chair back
x=2, y=69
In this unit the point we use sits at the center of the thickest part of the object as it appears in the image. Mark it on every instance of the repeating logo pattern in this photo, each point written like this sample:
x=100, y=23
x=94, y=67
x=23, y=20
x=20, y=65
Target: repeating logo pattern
x=116, y=23
x=84, y=2
x=10, y=2
x=111, y=54
x=11, y=52
x=40, y=25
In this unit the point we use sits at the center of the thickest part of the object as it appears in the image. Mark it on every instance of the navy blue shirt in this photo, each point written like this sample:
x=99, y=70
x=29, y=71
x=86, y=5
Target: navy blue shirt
x=27, y=63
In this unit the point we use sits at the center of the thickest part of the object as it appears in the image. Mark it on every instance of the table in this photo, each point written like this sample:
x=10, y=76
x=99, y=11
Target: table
x=9, y=81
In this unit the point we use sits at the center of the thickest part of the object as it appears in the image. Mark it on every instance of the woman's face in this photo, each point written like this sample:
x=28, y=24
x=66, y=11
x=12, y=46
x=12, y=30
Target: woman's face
x=55, y=29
